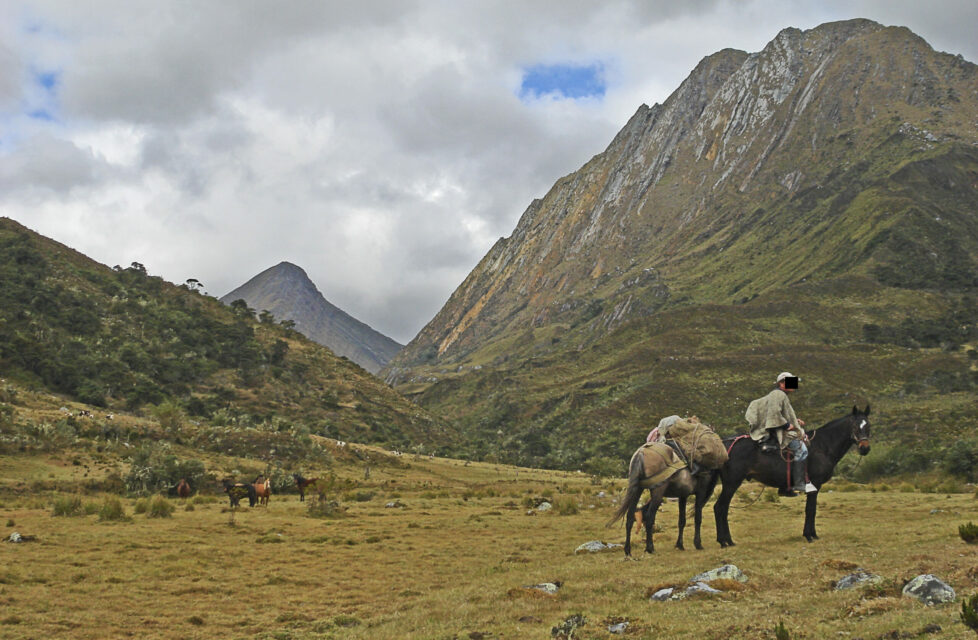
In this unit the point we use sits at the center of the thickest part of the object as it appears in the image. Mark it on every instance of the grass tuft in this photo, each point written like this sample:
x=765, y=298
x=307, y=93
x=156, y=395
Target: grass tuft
x=968, y=532
x=112, y=510
x=159, y=507
x=67, y=506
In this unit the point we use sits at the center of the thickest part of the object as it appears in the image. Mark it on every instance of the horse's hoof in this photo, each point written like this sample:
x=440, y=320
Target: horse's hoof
x=680, y=547
x=699, y=547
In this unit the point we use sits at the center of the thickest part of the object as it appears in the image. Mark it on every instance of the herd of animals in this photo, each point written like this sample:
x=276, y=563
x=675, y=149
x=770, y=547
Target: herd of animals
x=745, y=461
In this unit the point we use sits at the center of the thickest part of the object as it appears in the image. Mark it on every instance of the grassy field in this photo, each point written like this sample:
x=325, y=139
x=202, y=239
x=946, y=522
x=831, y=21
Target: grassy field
x=452, y=560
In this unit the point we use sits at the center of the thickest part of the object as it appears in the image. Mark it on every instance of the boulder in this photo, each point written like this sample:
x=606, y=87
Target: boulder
x=565, y=630
x=929, y=589
x=544, y=506
x=728, y=571
x=597, y=546
x=859, y=577
x=662, y=594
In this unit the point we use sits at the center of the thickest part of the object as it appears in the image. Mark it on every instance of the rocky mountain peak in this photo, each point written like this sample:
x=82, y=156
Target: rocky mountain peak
x=287, y=292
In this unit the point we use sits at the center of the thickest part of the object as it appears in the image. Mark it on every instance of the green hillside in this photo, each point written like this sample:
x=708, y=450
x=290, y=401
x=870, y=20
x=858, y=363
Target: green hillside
x=124, y=340
x=812, y=207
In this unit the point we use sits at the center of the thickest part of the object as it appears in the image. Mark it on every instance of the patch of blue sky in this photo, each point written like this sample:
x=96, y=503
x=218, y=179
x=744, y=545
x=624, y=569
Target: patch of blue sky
x=563, y=81
x=41, y=114
x=47, y=79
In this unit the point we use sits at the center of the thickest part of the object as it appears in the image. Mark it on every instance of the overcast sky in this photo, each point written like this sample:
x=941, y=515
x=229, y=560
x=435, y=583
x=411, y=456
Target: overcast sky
x=383, y=146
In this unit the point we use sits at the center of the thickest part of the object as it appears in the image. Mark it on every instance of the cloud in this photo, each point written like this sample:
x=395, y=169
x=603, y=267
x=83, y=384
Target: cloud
x=383, y=146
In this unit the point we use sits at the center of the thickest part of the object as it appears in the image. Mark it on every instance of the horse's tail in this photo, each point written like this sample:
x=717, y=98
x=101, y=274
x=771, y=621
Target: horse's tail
x=634, y=490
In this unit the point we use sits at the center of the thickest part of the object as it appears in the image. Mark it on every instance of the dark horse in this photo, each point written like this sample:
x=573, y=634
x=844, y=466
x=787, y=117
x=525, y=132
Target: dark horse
x=680, y=485
x=239, y=490
x=827, y=446
x=302, y=483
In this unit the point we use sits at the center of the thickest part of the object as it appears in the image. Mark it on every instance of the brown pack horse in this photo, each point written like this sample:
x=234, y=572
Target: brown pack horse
x=681, y=484
x=263, y=490
x=183, y=488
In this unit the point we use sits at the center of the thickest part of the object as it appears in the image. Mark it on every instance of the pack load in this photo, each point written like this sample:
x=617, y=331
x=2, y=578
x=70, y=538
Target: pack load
x=660, y=462
x=698, y=441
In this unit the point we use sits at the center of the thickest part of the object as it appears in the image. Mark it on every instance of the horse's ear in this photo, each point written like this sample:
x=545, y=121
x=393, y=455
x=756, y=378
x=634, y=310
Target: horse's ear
x=866, y=412
x=855, y=409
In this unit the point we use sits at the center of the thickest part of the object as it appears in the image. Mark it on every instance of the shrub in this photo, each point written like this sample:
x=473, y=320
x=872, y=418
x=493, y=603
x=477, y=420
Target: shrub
x=968, y=532
x=780, y=632
x=566, y=507
x=67, y=506
x=322, y=507
x=112, y=510
x=969, y=612
x=140, y=506
x=154, y=467
x=159, y=507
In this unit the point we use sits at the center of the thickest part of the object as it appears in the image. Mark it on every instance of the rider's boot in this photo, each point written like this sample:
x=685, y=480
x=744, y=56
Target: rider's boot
x=798, y=476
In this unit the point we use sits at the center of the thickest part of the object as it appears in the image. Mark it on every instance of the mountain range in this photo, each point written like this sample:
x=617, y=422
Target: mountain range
x=810, y=207
x=287, y=293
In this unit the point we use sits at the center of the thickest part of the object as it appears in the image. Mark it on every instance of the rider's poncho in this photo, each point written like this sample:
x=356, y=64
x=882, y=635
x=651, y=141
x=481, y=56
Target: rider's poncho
x=770, y=412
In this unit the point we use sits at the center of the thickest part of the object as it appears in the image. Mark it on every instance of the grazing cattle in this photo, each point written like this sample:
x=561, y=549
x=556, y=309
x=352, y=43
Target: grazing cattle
x=236, y=491
x=302, y=483
x=183, y=488
x=263, y=489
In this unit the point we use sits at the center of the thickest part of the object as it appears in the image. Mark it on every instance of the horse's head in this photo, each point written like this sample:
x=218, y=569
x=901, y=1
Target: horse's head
x=860, y=429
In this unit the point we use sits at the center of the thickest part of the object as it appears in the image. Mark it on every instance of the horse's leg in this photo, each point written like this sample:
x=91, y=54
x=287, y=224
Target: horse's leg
x=704, y=489
x=682, y=522
x=629, y=521
x=811, y=505
x=652, y=509
x=722, y=508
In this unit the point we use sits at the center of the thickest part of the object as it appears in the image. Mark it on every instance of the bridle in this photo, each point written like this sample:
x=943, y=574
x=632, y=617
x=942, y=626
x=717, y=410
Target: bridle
x=860, y=442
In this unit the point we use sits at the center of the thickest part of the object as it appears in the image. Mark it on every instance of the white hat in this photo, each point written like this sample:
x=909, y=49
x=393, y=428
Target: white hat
x=785, y=374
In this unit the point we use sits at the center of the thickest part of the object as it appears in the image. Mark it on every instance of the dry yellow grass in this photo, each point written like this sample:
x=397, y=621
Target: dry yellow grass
x=452, y=562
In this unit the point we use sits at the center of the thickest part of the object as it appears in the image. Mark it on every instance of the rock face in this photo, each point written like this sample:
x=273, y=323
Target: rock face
x=288, y=294
x=836, y=163
x=929, y=589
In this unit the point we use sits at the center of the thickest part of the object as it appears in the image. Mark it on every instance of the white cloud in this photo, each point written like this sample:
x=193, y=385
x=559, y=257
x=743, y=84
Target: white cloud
x=380, y=145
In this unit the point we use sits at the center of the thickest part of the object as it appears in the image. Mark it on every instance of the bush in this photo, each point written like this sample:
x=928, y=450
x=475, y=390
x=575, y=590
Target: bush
x=112, y=510
x=968, y=532
x=322, y=507
x=159, y=507
x=154, y=467
x=566, y=507
x=140, y=506
x=969, y=612
x=67, y=506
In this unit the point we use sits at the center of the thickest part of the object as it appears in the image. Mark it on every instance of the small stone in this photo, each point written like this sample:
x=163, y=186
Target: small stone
x=662, y=594
x=700, y=587
x=617, y=628
x=397, y=504
x=597, y=546
x=728, y=571
x=550, y=588
x=15, y=537
x=565, y=630
x=857, y=578
x=929, y=589
x=544, y=506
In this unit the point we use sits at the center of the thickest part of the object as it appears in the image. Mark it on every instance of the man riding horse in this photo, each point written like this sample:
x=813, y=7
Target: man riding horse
x=776, y=427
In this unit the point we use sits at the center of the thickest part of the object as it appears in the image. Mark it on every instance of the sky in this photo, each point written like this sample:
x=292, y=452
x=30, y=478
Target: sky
x=383, y=146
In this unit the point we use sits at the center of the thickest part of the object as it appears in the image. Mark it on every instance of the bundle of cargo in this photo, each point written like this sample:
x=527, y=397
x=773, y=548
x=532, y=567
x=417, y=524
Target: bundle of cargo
x=697, y=441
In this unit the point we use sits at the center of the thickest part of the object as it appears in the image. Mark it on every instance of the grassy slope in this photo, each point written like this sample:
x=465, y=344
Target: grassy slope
x=451, y=563
x=732, y=324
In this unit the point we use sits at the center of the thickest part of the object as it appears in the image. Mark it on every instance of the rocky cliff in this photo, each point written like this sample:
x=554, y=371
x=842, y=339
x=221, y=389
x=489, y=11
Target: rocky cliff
x=837, y=164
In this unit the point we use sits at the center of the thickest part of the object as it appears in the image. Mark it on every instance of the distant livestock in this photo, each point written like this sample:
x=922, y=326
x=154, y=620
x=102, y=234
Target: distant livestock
x=236, y=491
x=301, y=483
x=263, y=489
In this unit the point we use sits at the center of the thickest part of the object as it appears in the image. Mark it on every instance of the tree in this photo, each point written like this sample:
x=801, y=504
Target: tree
x=194, y=284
